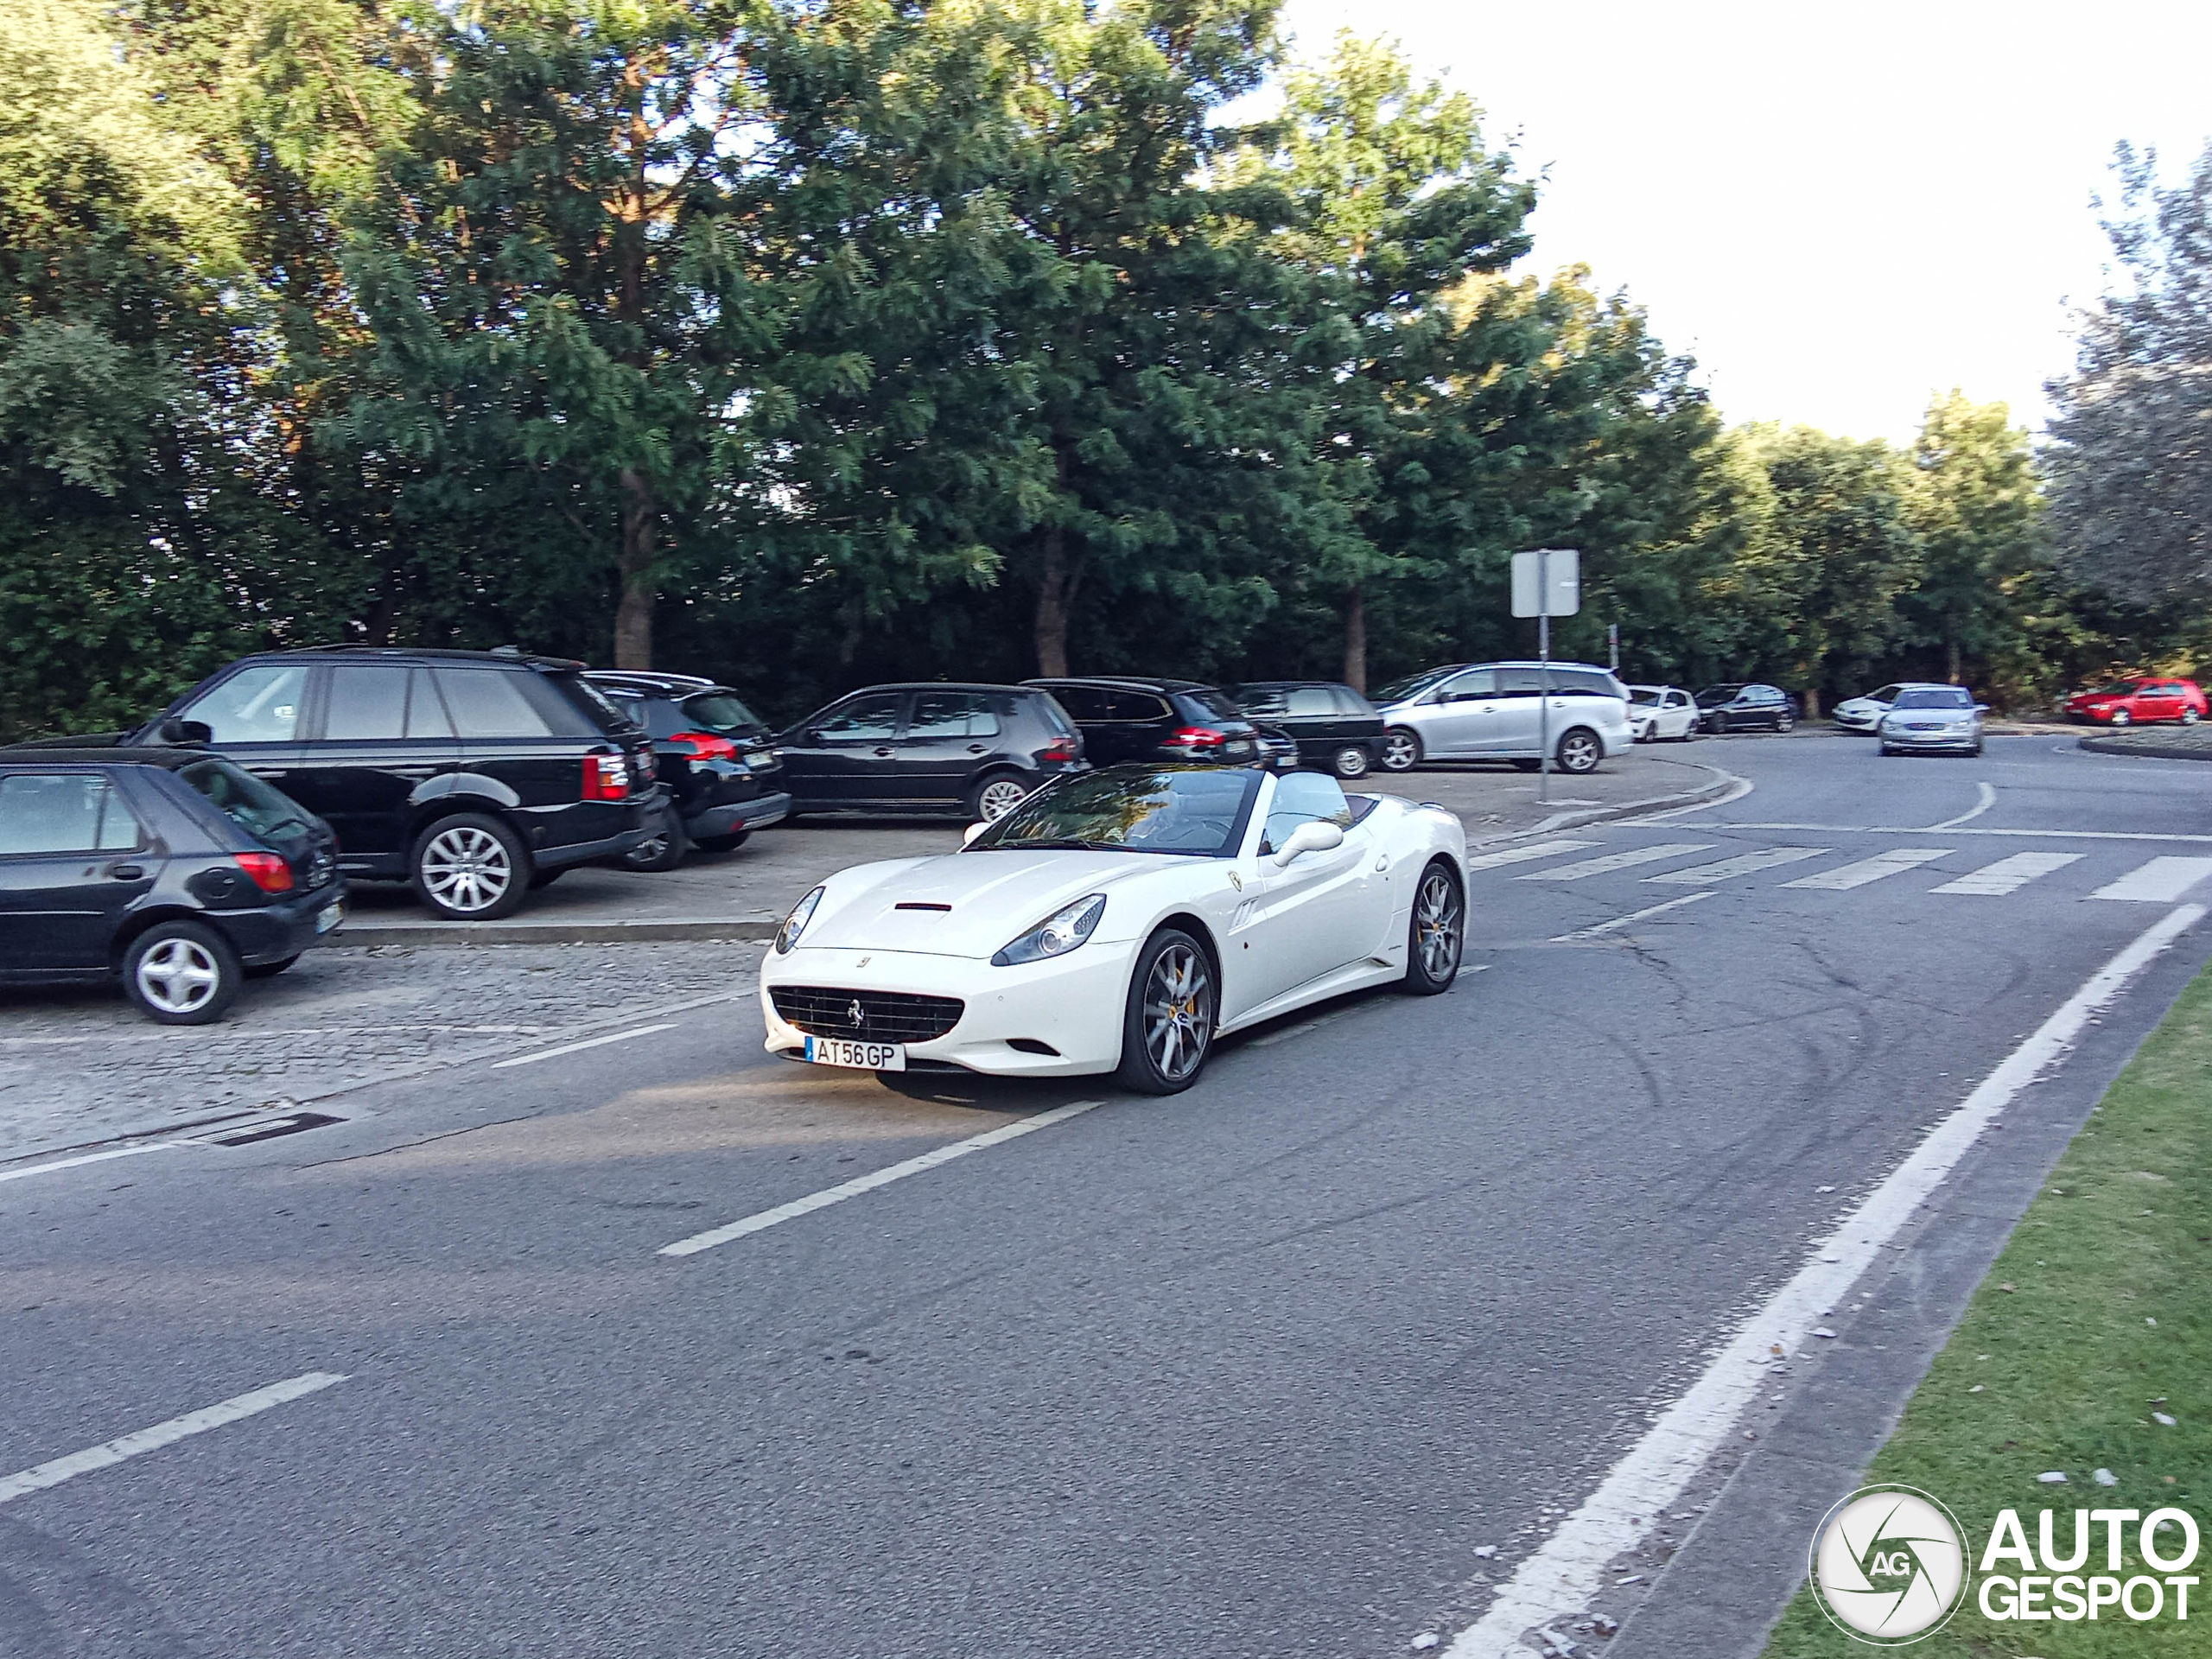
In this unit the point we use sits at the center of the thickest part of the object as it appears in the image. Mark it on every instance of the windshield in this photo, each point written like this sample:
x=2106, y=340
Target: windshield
x=261, y=809
x=1713, y=694
x=1411, y=686
x=1935, y=696
x=1193, y=811
x=721, y=711
x=1644, y=696
x=2118, y=688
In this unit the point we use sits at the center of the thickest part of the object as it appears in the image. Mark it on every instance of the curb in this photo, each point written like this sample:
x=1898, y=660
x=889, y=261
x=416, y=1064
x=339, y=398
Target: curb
x=2156, y=749
x=1683, y=800
x=646, y=930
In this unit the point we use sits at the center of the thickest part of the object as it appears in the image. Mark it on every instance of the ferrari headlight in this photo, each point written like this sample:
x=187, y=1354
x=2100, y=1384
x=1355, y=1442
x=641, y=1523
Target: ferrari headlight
x=795, y=923
x=1057, y=935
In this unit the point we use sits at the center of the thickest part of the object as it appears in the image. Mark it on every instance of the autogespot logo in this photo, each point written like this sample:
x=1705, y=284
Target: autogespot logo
x=1889, y=1565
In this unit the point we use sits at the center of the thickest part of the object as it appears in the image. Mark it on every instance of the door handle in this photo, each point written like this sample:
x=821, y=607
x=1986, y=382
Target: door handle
x=125, y=871
x=267, y=771
x=882, y=752
x=413, y=771
x=979, y=748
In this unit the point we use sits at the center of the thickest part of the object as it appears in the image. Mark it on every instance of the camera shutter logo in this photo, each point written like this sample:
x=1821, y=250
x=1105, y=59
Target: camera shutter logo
x=1889, y=1565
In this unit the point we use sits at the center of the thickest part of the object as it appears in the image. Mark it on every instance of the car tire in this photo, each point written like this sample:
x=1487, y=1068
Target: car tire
x=664, y=851
x=728, y=843
x=2189, y=716
x=470, y=867
x=1350, y=762
x=1580, y=750
x=993, y=795
x=2121, y=717
x=1785, y=722
x=271, y=969
x=1436, y=934
x=181, y=973
x=1402, y=749
x=1165, y=1045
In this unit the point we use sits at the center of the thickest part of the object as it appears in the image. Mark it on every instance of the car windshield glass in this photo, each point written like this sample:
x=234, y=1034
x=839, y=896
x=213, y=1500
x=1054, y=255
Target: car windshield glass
x=1644, y=696
x=2118, y=688
x=1411, y=686
x=720, y=711
x=1215, y=703
x=262, y=810
x=1935, y=696
x=1187, y=809
x=1713, y=694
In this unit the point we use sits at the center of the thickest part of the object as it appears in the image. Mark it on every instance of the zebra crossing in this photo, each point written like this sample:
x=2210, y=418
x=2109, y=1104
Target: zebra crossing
x=2161, y=879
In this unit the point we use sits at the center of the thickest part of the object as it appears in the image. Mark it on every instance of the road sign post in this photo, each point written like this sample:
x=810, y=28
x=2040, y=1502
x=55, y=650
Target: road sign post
x=1546, y=582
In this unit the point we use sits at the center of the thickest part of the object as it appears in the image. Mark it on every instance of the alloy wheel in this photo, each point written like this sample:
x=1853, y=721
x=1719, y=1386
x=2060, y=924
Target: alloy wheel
x=1578, y=752
x=1437, y=917
x=1399, y=753
x=1352, y=762
x=179, y=975
x=1177, y=1012
x=2189, y=716
x=1000, y=797
x=467, y=868
x=2121, y=717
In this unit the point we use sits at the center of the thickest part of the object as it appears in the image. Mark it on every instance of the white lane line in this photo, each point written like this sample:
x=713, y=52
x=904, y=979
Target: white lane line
x=1845, y=877
x=1523, y=855
x=91, y=1157
x=589, y=1042
x=1994, y=881
x=161, y=1434
x=1988, y=799
x=859, y=1183
x=2159, y=883
x=1611, y=862
x=1728, y=869
x=1603, y=928
x=1569, y=1568
x=1922, y=829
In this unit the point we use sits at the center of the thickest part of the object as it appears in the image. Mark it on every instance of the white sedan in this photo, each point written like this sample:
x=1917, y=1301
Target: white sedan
x=1120, y=921
x=1661, y=714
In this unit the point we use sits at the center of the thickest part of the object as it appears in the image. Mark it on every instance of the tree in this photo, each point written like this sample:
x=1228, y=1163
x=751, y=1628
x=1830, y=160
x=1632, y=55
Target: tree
x=1976, y=503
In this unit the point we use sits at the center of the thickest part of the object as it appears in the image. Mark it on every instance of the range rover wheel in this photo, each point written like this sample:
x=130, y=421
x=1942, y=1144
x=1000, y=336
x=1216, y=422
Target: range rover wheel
x=181, y=973
x=470, y=867
x=1580, y=750
x=1351, y=761
x=1400, y=750
x=664, y=851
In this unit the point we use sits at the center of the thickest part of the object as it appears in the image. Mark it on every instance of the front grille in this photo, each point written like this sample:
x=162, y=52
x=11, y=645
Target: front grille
x=885, y=1016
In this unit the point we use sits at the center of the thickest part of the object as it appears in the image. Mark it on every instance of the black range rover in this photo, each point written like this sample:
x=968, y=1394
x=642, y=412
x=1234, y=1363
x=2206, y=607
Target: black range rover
x=473, y=775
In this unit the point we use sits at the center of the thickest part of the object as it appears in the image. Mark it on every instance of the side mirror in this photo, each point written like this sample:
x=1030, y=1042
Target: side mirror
x=1314, y=835
x=180, y=732
x=972, y=830
x=1981, y=708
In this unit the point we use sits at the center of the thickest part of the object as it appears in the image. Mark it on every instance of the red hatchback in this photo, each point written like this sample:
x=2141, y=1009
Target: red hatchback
x=2134, y=702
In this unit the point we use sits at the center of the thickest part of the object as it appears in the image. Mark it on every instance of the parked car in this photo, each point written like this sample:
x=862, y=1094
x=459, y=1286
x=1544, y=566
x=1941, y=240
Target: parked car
x=169, y=868
x=1745, y=709
x=1865, y=714
x=1493, y=711
x=1130, y=718
x=2132, y=703
x=1661, y=714
x=931, y=748
x=473, y=775
x=716, y=756
x=1933, y=720
x=1333, y=727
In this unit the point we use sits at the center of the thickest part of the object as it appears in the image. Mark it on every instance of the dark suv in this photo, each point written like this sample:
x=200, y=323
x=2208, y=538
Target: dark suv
x=717, y=760
x=977, y=749
x=475, y=775
x=168, y=868
x=1131, y=719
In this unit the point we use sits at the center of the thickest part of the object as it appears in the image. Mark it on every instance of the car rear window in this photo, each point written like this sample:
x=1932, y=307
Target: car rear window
x=1055, y=716
x=263, y=811
x=721, y=712
x=1213, y=702
x=1263, y=700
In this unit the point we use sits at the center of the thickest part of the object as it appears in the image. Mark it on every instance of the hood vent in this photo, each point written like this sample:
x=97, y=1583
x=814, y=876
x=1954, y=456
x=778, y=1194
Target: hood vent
x=911, y=904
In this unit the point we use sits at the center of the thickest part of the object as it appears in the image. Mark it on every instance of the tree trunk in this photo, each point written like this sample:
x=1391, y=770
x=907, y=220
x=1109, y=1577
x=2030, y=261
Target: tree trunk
x=633, y=615
x=1812, y=701
x=1355, y=639
x=1055, y=592
x=1953, y=649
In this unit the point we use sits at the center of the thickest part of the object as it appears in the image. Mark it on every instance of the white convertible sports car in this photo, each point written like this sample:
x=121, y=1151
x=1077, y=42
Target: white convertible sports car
x=1119, y=921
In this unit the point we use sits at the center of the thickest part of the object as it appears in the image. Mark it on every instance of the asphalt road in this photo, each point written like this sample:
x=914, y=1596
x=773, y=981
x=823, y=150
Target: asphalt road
x=1255, y=1369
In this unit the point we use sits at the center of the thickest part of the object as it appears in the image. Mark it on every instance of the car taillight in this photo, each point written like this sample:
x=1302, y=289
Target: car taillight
x=607, y=777
x=1060, y=748
x=705, y=745
x=268, y=870
x=1197, y=739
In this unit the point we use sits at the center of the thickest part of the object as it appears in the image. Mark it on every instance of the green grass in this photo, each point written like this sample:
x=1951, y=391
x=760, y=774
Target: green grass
x=2058, y=1340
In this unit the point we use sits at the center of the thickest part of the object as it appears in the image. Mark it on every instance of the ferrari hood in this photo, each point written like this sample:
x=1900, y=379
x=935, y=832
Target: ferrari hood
x=966, y=904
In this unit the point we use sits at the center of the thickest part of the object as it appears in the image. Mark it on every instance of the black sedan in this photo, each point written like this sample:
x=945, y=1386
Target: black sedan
x=1336, y=729
x=1745, y=707
x=170, y=868
x=931, y=749
x=718, y=758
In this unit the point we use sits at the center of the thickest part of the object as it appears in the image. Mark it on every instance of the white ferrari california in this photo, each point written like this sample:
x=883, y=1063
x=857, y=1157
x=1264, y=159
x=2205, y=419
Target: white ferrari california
x=1119, y=921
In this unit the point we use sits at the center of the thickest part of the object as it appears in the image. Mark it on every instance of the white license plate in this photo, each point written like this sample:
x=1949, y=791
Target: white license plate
x=1237, y=747
x=758, y=760
x=329, y=918
x=866, y=1057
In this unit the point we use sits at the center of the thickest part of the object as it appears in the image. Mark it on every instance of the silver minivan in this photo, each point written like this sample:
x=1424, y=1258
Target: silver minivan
x=1494, y=711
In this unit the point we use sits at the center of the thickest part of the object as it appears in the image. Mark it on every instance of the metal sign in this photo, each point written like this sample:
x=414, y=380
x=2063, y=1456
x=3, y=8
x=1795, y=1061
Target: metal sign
x=1547, y=581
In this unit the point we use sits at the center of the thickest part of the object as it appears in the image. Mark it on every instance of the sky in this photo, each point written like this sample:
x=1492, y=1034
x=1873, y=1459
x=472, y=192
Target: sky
x=1839, y=210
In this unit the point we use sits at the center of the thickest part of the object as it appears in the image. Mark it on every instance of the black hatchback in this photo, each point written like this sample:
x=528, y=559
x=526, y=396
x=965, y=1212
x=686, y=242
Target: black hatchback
x=1745, y=709
x=973, y=749
x=1131, y=719
x=170, y=868
x=1336, y=729
x=473, y=775
x=716, y=756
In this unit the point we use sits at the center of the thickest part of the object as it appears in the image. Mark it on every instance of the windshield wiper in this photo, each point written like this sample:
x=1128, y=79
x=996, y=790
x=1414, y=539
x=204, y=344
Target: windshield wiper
x=1053, y=844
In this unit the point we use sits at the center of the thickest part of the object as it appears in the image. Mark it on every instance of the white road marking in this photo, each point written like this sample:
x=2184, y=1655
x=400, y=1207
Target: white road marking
x=1568, y=1569
x=1738, y=788
x=1992, y=880
x=90, y=1158
x=1523, y=855
x=589, y=1042
x=161, y=1434
x=1589, y=866
x=1603, y=928
x=1847, y=876
x=1728, y=869
x=1988, y=799
x=2159, y=883
x=1922, y=829
x=859, y=1183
